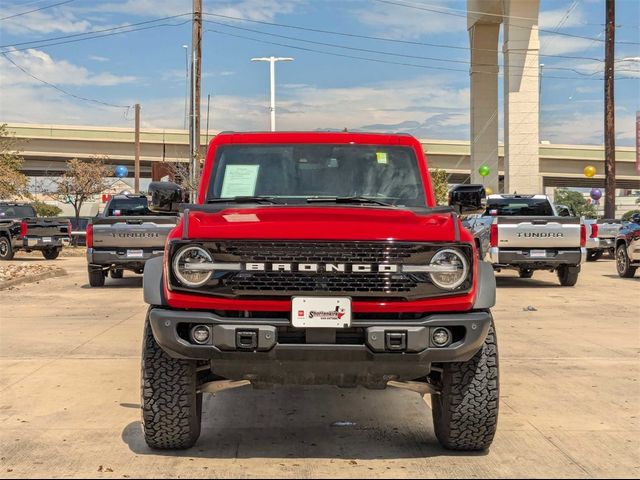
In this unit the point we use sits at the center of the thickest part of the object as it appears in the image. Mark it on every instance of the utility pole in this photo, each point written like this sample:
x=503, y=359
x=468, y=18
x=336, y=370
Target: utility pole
x=137, y=149
x=208, y=104
x=196, y=72
x=609, y=114
x=272, y=75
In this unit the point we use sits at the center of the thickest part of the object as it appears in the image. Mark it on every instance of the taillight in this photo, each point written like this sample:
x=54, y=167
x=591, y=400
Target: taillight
x=583, y=235
x=594, y=231
x=23, y=229
x=89, y=240
x=493, y=235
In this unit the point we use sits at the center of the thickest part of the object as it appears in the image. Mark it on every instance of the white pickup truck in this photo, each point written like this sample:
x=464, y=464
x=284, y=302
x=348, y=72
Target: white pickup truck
x=527, y=234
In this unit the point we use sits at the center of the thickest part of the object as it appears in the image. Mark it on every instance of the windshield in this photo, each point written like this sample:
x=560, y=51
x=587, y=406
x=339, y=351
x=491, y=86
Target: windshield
x=134, y=206
x=296, y=173
x=519, y=207
x=16, y=211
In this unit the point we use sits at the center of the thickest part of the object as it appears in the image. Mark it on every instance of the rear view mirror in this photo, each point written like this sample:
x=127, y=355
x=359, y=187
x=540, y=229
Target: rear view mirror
x=467, y=199
x=165, y=197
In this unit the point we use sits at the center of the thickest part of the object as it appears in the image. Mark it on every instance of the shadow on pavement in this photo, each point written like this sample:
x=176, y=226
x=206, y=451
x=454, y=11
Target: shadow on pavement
x=126, y=282
x=309, y=422
x=637, y=277
x=517, y=282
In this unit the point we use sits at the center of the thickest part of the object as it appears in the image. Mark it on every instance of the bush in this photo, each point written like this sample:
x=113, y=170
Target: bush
x=627, y=216
x=576, y=202
x=46, y=210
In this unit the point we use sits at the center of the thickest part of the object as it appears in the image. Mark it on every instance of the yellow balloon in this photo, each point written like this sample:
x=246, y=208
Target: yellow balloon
x=589, y=171
x=488, y=190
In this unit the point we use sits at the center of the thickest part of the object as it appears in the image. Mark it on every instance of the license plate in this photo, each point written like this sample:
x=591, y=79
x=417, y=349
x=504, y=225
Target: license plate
x=134, y=253
x=538, y=253
x=321, y=312
x=46, y=239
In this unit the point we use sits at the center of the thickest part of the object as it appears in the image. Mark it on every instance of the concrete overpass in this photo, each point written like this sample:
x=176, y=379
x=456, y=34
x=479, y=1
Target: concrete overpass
x=46, y=148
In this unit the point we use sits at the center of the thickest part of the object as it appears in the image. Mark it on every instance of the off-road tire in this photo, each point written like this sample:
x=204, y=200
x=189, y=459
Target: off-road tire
x=465, y=413
x=568, y=275
x=51, y=253
x=117, y=273
x=594, y=255
x=96, y=277
x=6, y=249
x=525, y=273
x=171, y=406
x=623, y=264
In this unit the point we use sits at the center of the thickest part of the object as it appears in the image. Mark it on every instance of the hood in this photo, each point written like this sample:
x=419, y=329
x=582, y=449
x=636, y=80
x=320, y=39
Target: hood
x=321, y=223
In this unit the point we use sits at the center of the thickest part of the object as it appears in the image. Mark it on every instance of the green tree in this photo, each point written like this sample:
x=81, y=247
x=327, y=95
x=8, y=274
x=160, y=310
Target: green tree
x=627, y=216
x=13, y=183
x=576, y=202
x=46, y=210
x=439, y=179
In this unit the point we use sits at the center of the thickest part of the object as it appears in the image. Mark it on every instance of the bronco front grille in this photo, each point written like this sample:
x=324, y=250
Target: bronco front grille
x=275, y=284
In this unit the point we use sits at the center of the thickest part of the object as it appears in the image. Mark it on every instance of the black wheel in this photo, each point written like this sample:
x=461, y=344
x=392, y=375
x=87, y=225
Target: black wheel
x=117, y=273
x=171, y=406
x=568, y=275
x=594, y=255
x=96, y=277
x=526, y=273
x=6, y=249
x=625, y=270
x=51, y=253
x=465, y=413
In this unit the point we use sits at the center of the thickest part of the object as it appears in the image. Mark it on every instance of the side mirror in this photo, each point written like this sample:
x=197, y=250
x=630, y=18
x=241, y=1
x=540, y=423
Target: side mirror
x=468, y=199
x=635, y=218
x=165, y=197
x=563, y=211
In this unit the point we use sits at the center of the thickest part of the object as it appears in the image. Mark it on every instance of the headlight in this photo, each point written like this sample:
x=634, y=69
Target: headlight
x=188, y=266
x=448, y=268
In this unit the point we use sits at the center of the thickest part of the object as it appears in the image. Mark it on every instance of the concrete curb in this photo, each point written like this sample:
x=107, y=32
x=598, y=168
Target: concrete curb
x=58, y=272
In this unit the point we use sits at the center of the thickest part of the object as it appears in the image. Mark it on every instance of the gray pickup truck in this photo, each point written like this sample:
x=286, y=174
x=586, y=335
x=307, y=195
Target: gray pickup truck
x=606, y=231
x=527, y=235
x=124, y=237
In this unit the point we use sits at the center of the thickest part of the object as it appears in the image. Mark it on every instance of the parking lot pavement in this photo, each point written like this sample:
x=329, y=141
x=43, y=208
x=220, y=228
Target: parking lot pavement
x=570, y=404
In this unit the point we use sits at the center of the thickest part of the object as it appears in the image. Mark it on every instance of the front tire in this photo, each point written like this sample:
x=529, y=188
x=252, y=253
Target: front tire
x=6, y=249
x=594, y=255
x=568, y=275
x=171, y=406
x=51, y=253
x=96, y=277
x=465, y=413
x=623, y=264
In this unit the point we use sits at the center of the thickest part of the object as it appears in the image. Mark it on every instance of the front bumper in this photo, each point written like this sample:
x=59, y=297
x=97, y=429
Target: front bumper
x=41, y=243
x=554, y=258
x=120, y=256
x=369, y=359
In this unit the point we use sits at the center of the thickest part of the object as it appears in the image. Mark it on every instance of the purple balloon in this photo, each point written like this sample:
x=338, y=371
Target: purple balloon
x=596, y=193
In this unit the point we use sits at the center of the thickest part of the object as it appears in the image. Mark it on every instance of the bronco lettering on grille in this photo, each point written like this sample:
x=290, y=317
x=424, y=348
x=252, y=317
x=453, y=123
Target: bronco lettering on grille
x=321, y=267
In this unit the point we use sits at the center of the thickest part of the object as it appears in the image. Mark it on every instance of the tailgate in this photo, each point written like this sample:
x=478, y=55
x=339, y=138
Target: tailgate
x=47, y=227
x=538, y=232
x=608, y=230
x=132, y=232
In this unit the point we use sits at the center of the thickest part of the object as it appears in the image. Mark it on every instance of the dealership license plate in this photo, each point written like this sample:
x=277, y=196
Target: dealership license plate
x=134, y=254
x=321, y=312
x=46, y=239
x=538, y=253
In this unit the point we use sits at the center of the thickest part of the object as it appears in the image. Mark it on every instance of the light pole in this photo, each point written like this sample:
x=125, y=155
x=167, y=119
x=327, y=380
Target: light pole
x=186, y=76
x=272, y=70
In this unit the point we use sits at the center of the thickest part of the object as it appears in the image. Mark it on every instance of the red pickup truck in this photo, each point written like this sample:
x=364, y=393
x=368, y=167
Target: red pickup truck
x=319, y=258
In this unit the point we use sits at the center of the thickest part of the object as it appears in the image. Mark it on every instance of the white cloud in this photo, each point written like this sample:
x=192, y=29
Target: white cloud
x=98, y=58
x=551, y=44
x=550, y=19
x=586, y=127
x=61, y=20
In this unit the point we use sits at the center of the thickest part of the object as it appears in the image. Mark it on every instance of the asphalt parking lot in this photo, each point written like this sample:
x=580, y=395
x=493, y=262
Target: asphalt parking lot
x=570, y=395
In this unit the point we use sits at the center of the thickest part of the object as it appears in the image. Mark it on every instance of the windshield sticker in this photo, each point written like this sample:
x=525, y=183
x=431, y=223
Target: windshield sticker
x=382, y=157
x=239, y=181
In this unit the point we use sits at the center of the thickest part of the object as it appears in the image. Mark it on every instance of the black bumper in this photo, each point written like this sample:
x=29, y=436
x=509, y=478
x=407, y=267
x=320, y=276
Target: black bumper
x=39, y=243
x=368, y=361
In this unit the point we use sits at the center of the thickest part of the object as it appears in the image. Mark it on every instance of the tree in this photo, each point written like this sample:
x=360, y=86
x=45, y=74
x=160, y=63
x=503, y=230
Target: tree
x=45, y=210
x=81, y=182
x=179, y=173
x=576, y=202
x=13, y=183
x=440, y=180
x=627, y=216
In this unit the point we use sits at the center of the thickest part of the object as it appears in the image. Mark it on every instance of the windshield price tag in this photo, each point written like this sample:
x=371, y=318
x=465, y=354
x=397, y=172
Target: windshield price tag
x=321, y=312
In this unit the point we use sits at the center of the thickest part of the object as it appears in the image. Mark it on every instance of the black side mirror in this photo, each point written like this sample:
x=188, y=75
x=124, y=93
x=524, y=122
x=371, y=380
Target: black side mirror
x=635, y=218
x=468, y=199
x=563, y=211
x=165, y=197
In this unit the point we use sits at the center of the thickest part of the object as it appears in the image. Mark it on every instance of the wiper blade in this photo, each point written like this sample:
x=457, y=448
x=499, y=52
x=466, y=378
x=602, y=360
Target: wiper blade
x=348, y=200
x=244, y=199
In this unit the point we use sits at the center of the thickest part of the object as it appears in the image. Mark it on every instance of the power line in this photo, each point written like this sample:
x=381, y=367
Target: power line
x=86, y=99
x=37, y=9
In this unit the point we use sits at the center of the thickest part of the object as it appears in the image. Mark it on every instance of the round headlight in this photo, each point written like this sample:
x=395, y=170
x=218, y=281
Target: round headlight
x=186, y=263
x=449, y=268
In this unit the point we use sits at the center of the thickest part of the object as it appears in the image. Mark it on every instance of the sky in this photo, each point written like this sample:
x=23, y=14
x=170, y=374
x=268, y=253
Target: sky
x=393, y=82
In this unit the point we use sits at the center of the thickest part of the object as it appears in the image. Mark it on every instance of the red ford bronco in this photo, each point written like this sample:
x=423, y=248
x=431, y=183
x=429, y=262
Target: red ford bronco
x=319, y=259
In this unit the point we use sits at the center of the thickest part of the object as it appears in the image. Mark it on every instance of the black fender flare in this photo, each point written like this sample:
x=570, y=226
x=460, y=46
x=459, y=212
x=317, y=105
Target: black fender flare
x=486, y=287
x=152, y=281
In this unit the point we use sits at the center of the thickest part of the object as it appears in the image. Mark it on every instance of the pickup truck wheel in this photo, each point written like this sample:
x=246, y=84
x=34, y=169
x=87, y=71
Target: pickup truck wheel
x=594, y=255
x=526, y=273
x=51, y=253
x=117, y=273
x=625, y=270
x=6, y=250
x=465, y=413
x=171, y=406
x=568, y=275
x=96, y=277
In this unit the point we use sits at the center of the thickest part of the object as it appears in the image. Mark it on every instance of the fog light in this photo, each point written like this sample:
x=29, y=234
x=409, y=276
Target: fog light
x=440, y=337
x=200, y=334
